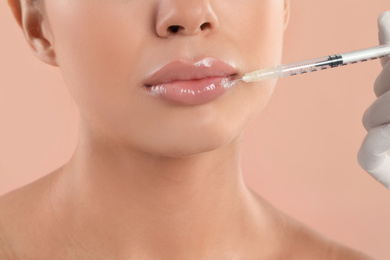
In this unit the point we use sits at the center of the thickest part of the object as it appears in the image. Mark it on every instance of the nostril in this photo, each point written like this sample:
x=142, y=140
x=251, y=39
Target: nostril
x=177, y=28
x=205, y=26
x=174, y=28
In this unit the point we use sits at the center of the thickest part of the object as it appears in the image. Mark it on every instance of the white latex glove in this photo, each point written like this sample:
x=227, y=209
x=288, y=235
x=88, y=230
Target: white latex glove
x=373, y=155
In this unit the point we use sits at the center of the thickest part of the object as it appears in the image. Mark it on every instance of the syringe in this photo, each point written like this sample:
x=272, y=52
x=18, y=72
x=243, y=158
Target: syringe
x=318, y=64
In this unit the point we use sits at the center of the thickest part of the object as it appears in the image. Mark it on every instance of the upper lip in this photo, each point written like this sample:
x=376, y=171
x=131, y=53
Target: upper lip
x=180, y=70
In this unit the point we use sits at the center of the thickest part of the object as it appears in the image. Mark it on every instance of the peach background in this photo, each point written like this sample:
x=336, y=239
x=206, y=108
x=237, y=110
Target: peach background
x=300, y=154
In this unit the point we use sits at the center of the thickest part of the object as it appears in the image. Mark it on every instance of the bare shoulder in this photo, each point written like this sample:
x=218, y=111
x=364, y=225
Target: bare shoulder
x=10, y=218
x=5, y=247
x=17, y=223
x=306, y=243
x=296, y=241
x=339, y=251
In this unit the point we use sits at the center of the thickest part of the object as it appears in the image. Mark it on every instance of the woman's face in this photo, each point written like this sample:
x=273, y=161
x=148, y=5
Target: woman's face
x=111, y=53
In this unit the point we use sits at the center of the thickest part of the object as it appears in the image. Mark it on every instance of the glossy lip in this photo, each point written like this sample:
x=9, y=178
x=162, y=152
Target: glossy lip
x=191, y=83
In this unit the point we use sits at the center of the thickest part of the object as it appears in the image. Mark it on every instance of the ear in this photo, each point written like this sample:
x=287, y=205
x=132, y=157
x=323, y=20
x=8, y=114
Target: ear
x=286, y=13
x=16, y=10
x=30, y=18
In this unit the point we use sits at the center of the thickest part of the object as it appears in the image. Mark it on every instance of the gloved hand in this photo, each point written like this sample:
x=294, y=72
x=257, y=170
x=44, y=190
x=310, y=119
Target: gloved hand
x=374, y=153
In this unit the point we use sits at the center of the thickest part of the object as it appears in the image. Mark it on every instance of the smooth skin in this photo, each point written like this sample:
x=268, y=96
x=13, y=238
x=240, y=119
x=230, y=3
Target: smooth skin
x=152, y=180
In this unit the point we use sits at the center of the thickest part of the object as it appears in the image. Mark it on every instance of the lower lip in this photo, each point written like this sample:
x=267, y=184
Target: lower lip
x=191, y=92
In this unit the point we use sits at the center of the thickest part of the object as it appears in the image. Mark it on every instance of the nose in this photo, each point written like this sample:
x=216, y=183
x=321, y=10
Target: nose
x=185, y=17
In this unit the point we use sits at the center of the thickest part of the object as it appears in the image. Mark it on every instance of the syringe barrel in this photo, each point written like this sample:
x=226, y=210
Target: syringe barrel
x=293, y=69
x=333, y=61
x=366, y=54
x=307, y=66
x=258, y=75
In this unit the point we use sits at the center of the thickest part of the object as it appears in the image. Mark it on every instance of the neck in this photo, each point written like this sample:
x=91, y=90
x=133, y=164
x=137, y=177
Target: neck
x=168, y=204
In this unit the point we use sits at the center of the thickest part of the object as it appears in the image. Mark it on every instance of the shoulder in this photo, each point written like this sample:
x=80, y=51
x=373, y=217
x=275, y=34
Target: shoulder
x=7, y=210
x=5, y=248
x=298, y=241
x=20, y=217
x=341, y=252
x=293, y=240
x=306, y=243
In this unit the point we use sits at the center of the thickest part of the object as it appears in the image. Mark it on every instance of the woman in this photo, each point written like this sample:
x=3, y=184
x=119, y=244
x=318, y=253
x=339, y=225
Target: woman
x=156, y=174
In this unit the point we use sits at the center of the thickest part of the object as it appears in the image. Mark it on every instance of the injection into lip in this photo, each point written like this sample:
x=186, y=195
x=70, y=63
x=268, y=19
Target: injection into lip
x=228, y=82
x=328, y=62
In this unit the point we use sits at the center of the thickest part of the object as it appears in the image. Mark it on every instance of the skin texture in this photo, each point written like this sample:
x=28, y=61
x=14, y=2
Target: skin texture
x=152, y=180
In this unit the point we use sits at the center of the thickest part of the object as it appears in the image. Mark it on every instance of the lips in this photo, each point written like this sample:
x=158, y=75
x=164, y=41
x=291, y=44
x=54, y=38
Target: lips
x=191, y=83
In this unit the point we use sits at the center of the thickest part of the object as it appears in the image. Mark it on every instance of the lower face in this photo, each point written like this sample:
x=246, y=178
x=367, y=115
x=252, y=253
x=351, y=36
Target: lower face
x=107, y=50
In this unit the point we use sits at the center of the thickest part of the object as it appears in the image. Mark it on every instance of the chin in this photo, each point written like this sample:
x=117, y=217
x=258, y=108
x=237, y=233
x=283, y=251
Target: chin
x=190, y=145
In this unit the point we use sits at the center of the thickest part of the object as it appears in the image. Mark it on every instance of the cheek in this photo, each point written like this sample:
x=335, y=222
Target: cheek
x=261, y=33
x=258, y=27
x=98, y=44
